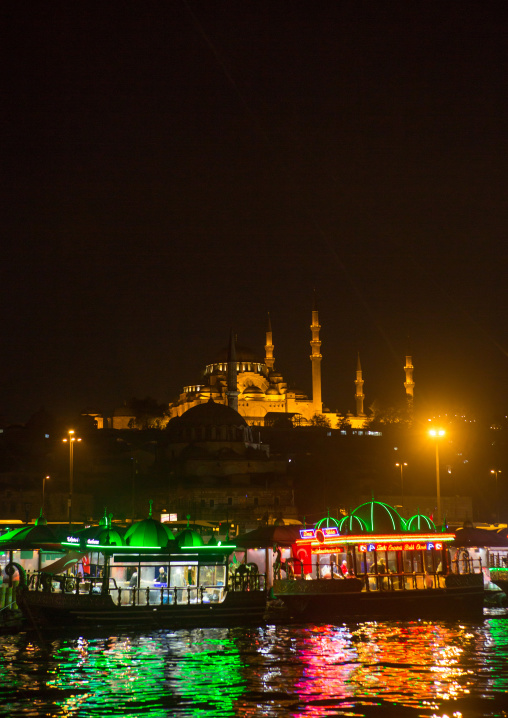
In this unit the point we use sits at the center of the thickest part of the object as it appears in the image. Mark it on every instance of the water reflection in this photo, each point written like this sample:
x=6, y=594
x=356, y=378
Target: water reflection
x=411, y=665
x=415, y=669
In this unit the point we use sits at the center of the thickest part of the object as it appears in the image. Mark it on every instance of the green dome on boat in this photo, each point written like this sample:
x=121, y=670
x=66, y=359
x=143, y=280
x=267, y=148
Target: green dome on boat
x=41, y=520
x=352, y=524
x=420, y=522
x=377, y=517
x=189, y=537
x=110, y=537
x=148, y=533
x=327, y=522
x=11, y=534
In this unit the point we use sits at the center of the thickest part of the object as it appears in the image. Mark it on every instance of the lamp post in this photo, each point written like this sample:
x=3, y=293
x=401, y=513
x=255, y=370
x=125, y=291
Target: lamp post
x=402, y=464
x=496, y=472
x=46, y=478
x=436, y=434
x=71, y=439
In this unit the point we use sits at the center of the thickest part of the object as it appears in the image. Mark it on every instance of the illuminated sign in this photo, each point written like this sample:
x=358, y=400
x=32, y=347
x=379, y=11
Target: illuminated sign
x=333, y=531
x=409, y=546
x=93, y=541
x=320, y=536
x=72, y=539
x=307, y=533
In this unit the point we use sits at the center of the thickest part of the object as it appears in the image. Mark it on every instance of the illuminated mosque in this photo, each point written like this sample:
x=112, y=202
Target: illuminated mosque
x=259, y=393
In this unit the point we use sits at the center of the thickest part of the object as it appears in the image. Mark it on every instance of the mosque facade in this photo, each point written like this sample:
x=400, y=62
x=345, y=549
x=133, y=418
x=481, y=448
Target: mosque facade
x=253, y=387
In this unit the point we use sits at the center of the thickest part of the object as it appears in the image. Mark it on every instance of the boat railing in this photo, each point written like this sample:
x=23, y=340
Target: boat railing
x=144, y=595
x=247, y=581
x=167, y=595
x=387, y=580
x=498, y=560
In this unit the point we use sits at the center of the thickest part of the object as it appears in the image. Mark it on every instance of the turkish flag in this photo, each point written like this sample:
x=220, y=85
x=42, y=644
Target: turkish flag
x=303, y=554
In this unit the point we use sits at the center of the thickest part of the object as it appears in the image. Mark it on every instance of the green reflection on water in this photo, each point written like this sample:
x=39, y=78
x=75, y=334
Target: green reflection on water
x=99, y=675
x=498, y=640
x=209, y=675
x=144, y=676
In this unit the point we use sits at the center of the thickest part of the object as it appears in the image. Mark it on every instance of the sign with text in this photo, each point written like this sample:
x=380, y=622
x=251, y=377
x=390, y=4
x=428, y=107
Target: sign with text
x=407, y=546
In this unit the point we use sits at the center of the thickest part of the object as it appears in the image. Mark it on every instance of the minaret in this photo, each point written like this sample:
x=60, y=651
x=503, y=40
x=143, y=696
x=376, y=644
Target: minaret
x=359, y=396
x=269, y=358
x=409, y=384
x=232, y=390
x=315, y=358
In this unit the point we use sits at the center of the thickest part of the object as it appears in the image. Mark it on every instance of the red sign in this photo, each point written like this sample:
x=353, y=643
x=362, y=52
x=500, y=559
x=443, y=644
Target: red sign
x=409, y=546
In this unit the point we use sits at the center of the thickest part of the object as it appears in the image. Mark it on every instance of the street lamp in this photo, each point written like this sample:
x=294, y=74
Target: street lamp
x=437, y=434
x=46, y=478
x=402, y=464
x=71, y=439
x=496, y=472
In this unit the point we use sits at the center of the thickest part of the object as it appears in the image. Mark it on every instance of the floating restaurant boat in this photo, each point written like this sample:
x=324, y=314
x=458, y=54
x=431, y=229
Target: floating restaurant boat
x=147, y=577
x=373, y=563
x=490, y=546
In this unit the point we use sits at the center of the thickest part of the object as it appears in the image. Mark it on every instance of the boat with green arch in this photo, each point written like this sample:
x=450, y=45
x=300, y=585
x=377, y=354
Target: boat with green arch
x=144, y=577
x=374, y=563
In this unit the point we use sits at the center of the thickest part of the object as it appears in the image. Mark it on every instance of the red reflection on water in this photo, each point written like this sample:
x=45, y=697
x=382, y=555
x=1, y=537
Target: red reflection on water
x=412, y=665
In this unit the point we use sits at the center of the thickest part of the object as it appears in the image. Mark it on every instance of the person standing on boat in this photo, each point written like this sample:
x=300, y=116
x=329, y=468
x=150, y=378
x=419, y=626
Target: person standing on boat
x=133, y=583
x=381, y=568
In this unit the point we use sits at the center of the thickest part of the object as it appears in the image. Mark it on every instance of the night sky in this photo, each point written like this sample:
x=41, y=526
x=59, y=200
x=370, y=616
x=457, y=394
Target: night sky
x=174, y=169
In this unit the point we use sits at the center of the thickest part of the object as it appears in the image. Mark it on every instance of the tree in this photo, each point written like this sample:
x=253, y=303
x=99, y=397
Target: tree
x=320, y=420
x=148, y=412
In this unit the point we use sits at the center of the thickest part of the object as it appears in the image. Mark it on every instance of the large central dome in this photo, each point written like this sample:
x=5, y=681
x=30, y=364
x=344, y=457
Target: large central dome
x=210, y=421
x=211, y=414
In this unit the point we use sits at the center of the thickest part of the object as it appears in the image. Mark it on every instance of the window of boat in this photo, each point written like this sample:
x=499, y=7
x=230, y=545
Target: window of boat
x=212, y=575
x=184, y=575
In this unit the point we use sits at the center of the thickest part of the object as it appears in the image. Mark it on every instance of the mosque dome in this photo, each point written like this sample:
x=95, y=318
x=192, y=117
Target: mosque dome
x=253, y=392
x=211, y=414
x=299, y=393
x=209, y=421
x=272, y=390
x=207, y=392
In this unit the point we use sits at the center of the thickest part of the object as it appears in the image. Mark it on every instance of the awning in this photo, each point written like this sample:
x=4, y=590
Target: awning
x=62, y=564
x=267, y=536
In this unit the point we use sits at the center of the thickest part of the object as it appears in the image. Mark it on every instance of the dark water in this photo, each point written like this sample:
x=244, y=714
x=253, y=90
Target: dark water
x=452, y=669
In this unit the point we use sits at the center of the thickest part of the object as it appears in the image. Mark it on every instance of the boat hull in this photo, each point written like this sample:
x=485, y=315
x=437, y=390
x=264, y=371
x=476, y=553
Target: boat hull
x=321, y=600
x=500, y=578
x=46, y=610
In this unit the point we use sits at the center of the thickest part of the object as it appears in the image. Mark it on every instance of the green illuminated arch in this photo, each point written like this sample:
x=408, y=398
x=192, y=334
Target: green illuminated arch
x=420, y=522
x=379, y=517
x=352, y=524
x=327, y=522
